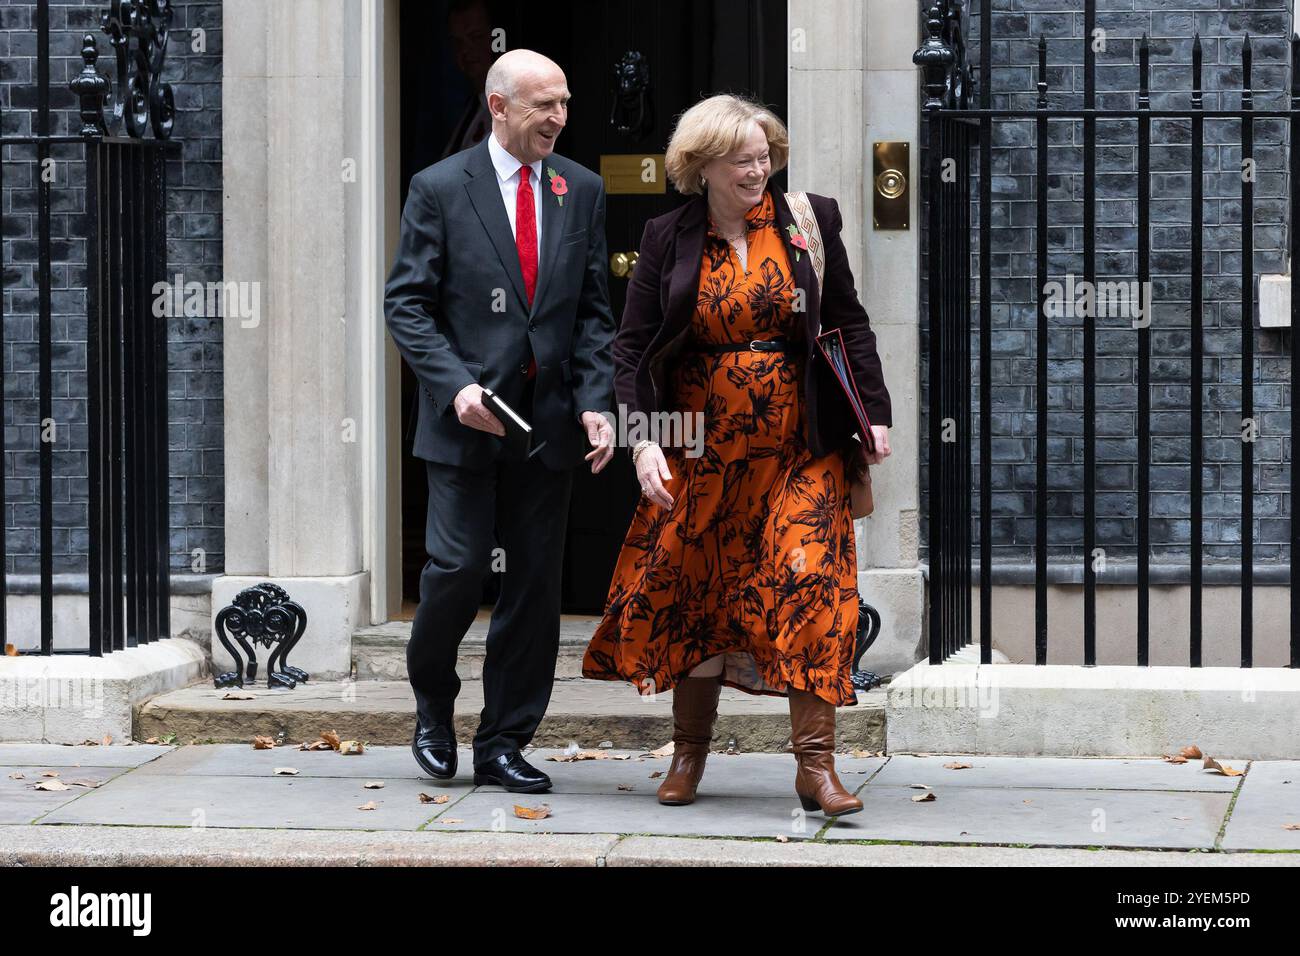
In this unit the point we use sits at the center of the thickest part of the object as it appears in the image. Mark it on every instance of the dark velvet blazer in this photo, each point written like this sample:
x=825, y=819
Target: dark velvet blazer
x=662, y=295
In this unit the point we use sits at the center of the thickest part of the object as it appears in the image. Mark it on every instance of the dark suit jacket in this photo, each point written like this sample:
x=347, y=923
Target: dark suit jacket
x=456, y=307
x=661, y=298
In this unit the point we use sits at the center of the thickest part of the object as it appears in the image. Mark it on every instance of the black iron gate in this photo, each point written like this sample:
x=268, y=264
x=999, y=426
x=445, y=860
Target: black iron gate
x=125, y=183
x=956, y=131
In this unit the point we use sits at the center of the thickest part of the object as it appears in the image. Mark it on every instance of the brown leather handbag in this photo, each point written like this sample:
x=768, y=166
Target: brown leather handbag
x=831, y=347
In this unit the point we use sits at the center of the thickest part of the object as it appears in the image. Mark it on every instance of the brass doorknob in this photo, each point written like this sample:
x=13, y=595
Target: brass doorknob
x=623, y=263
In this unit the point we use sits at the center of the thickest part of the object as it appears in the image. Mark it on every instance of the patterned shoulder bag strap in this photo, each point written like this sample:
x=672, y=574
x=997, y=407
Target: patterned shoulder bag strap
x=806, y=220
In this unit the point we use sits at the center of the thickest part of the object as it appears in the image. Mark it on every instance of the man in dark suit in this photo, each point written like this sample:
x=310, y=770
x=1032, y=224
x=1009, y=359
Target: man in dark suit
x=500, y=282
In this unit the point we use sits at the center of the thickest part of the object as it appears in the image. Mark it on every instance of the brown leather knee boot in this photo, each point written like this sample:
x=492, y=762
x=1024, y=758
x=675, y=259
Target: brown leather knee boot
x=695, y=705
x=812, y=723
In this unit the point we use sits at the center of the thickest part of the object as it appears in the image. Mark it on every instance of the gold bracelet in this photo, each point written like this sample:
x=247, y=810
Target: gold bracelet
x=640, y=447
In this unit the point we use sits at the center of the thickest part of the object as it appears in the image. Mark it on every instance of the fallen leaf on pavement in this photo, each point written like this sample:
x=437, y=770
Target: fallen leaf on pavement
x=923, y=797
x=374, y=785
x=239, y=695
x=577, y=755
x=351, y=747
x=54, y=785
x=108, y=740
x=90, y=784
x=918, y=786
x=782, y=839
x=665, y=751
x=1214, y=766
x=956, y=766
x=1191, y=752
x=331, y=737
x=50, y=773
x=450, y=820
x=440, y=798
x=262, y=742
x=370, y=805
x=1174, y=758
x=11, y=650
x=1291, y=826
x=626, y=786
x=656, y=775
x=288, y=771
x=532, y=813
x=316, y=745
x=17, y=776
x=863, y=753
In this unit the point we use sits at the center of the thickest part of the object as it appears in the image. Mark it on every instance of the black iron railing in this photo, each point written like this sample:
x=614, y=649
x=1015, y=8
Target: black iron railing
x=954, y=129
x=125, y=183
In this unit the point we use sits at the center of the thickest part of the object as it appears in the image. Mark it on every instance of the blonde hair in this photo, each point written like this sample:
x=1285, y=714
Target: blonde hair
x=713, y=128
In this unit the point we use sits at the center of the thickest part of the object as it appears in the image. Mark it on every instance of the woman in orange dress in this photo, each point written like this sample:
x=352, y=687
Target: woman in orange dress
x=739, y=567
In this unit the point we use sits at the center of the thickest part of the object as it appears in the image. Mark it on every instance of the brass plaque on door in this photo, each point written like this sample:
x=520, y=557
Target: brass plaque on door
x=890, y=167
x=627, y=174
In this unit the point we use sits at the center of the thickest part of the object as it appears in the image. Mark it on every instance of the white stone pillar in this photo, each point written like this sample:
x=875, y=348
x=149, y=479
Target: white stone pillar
x=852, y=83
x=298, y=410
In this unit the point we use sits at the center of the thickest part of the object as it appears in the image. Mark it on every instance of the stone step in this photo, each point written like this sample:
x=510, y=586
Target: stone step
x=379, y=652
x=581, y=711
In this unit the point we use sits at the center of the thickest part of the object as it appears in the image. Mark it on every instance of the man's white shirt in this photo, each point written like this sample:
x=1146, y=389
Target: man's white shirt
x=507, y=168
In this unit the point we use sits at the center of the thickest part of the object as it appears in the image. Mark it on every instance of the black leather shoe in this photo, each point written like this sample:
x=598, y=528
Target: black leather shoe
x=513, y=772
x=435, y=751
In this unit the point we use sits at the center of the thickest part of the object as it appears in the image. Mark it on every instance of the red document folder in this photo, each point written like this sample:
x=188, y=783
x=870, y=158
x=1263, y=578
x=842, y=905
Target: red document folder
x=832, y=348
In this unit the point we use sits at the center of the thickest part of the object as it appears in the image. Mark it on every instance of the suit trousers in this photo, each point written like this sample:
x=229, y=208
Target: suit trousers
x=526, y=504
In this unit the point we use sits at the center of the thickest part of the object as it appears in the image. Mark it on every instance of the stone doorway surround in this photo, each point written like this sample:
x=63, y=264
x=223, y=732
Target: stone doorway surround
x=310, y=217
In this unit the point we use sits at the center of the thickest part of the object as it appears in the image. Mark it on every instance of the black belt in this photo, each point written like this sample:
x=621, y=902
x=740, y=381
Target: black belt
x=756, y=345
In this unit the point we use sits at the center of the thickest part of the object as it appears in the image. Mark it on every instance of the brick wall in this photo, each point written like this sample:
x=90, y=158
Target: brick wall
x=193, y=249
x=1170, y=24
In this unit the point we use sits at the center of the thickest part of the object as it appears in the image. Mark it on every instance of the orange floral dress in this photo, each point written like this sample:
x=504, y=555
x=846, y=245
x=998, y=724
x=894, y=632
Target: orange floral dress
x=755, y=560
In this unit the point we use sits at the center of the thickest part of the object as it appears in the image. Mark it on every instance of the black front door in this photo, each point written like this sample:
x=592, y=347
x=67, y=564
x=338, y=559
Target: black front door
x=677, y=51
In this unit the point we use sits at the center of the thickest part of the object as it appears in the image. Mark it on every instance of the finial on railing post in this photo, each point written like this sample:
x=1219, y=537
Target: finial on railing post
x=935, y=58
x=91, y=88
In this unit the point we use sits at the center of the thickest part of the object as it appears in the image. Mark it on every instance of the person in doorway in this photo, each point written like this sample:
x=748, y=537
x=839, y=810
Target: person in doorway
x=740, y=565
x=499, y=281
x=469, y=25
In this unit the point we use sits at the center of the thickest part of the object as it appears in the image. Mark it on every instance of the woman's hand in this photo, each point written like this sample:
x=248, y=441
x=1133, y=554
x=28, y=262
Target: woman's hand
x=881, y=434
x=652, y=472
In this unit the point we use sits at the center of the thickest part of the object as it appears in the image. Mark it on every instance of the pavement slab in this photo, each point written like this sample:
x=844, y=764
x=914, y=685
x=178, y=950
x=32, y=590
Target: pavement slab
x=1269, y=800
x=710, y=815
x=1012, y=815
x=21, y=802
x=1046, y=773
x=184, y=800
x=52, y=756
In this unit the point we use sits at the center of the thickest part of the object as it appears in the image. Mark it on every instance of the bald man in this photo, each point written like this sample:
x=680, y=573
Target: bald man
x=500, y=282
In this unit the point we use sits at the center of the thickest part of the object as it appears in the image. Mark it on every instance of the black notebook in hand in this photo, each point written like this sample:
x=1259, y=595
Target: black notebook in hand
x=519, y=434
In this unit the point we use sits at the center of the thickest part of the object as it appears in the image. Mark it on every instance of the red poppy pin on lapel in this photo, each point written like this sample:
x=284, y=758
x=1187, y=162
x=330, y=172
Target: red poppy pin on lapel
x=559, y=186
x=796, y=239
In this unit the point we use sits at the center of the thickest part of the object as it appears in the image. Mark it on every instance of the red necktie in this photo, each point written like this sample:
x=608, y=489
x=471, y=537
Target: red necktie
x=526, y=240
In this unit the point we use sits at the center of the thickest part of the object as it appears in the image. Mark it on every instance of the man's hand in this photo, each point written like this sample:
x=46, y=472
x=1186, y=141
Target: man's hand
x=601, y=435
x=883, y=451
x=472, y=412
